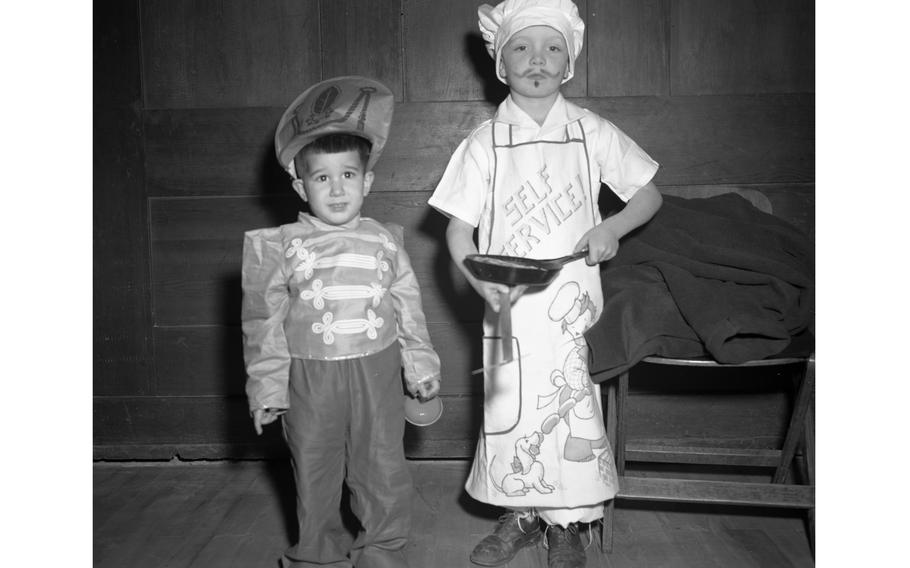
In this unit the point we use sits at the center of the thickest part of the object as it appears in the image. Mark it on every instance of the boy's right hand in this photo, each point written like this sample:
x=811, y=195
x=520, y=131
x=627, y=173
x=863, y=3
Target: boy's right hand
x=425, y=390
x=460, y=238
x=263, y=416
x=490, y=291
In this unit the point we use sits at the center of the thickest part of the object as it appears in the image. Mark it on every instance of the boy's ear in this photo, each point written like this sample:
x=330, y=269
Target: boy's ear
x=367, y=182
x=298, y=186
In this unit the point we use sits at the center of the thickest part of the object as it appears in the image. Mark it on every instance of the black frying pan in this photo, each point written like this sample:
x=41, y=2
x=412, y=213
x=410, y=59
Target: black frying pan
x=514, y=271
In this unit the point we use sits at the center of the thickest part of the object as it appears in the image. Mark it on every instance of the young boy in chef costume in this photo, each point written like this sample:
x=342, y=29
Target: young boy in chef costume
x=527, y=183
x=331, y=312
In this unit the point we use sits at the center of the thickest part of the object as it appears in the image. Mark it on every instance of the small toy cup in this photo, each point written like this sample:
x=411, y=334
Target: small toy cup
x=422, y=413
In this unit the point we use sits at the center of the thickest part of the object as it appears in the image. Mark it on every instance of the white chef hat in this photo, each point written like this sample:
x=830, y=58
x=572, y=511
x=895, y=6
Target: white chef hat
x=349, y=105
x=499, y=24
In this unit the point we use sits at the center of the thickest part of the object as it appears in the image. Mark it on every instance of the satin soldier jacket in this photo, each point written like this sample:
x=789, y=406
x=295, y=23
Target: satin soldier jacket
x=317, y=291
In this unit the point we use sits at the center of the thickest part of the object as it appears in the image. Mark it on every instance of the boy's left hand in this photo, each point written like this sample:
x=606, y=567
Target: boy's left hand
x=602, y=242
x=425, y=390
x=263, y=416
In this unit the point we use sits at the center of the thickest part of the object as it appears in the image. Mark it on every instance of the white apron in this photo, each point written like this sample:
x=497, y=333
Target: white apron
x=543, y=442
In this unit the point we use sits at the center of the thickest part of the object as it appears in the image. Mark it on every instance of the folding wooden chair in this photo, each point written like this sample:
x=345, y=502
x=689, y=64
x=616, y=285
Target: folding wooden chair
x=778, y=493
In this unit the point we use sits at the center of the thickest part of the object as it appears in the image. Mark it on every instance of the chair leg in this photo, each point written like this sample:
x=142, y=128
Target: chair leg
x=797, y=421
x=611, y=420
x=619, y=449
x=617, y=390
x=810, y=469
x=606, y=528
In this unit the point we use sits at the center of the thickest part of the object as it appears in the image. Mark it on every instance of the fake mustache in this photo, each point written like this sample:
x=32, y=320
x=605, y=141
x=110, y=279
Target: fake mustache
x=532, y=73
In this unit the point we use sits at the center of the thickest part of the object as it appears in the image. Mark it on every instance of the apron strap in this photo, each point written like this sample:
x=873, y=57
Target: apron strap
x=578, y=135
x=502, y=135
x=574, y=132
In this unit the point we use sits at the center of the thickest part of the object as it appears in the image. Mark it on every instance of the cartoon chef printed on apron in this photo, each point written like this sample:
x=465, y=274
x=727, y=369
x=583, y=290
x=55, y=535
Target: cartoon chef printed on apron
x=544, y=442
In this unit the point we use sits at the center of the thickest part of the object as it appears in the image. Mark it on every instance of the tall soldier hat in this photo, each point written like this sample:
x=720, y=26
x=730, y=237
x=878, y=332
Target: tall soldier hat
x=349, y=105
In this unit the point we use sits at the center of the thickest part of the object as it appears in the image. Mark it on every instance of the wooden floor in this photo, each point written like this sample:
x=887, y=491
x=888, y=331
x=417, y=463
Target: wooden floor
x=240, y=514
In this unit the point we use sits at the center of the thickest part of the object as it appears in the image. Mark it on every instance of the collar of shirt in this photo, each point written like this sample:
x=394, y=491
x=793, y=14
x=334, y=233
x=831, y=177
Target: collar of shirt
x=323, y=226
x=561, y=113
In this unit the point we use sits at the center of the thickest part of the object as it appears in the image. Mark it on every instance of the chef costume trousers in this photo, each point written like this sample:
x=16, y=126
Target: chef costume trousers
x=346, y=423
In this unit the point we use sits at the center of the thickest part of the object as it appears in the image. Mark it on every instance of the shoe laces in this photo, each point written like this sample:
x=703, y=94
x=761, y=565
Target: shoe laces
x=506, y=519
x=590, y=536
x=562, y=534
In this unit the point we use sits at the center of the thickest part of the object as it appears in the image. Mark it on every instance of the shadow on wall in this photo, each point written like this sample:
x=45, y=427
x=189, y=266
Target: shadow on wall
x=277, y=199
x=494, y=90
x=466, y=314
x=276, y=204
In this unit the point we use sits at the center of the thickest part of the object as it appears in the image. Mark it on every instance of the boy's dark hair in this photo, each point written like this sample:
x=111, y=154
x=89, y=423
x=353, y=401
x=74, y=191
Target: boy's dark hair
x=339, y=142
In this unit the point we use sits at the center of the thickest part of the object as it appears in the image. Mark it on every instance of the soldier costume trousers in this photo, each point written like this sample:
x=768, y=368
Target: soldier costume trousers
x=346, y=423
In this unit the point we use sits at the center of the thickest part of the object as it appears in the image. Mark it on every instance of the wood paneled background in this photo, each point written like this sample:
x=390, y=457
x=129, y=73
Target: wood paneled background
x=186, y=98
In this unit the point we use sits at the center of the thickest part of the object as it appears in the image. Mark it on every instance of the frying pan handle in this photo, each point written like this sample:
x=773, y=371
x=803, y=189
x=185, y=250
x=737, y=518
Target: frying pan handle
x=505, y=324
x=569, y=257
x=576, y=255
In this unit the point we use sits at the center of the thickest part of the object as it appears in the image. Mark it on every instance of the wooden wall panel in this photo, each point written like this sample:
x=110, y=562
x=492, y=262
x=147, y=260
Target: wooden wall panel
x=231, y=151
x=116, y=55
x=445, y=58
x=188, y=427
x=122, y=361
x=363, y=38
x=196, y=252
x=122, y=320
x=754, y=421
x=213, y=152
x=218, y=152
x=627, y=48
x=453, y=436
x=208, y=360
x=697, y=140
x=720, y=140
x=199, y=361
x=722, y=46
x=422, y=140
x=209, y=53
x=219, y=427
x=739, y=408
